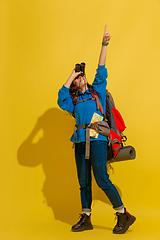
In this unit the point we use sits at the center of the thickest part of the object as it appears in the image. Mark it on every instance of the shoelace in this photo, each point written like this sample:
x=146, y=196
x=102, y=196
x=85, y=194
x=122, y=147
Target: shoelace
x=117, y=218
x=80, y=217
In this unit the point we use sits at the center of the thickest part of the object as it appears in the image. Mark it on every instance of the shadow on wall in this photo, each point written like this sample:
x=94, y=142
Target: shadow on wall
x=54, y=151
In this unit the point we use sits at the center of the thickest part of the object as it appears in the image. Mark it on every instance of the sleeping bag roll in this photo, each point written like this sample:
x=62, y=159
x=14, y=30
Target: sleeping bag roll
x=125, y=153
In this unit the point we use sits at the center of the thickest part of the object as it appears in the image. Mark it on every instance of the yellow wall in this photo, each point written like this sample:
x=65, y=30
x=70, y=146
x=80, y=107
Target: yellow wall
x=41, y=40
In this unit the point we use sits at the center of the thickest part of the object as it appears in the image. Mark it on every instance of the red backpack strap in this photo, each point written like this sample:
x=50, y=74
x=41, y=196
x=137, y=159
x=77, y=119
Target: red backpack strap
x=99, y=105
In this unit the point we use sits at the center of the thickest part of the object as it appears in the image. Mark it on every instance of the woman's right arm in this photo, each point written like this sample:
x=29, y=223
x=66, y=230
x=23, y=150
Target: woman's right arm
x=71, y=78
x=65, y=101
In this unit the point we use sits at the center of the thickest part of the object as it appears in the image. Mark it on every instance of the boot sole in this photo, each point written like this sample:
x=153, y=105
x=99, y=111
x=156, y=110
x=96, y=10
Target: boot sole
x=131, y=220
x=88, y=227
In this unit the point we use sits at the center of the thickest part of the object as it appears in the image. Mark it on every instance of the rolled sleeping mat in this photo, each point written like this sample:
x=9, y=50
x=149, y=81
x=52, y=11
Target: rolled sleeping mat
x=125, y=153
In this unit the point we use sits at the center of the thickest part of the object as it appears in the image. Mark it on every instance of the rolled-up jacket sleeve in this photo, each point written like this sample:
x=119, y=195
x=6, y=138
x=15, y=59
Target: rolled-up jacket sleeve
x=100, y=78
x=65, y=100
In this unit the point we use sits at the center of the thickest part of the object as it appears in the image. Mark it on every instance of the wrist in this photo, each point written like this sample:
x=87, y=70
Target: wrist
x=105, y=44
x=72, y=77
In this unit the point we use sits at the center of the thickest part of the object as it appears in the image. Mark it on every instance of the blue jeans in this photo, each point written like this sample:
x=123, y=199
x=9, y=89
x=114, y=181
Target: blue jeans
x=97, y=160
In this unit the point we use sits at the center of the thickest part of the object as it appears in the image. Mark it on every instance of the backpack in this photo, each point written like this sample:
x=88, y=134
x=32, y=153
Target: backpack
x=112, y=127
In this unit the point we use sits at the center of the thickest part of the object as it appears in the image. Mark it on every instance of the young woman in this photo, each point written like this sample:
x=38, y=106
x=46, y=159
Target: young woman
x=75, y=97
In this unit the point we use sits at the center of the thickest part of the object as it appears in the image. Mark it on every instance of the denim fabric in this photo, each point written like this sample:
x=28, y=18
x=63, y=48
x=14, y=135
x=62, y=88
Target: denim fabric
x=98, y=156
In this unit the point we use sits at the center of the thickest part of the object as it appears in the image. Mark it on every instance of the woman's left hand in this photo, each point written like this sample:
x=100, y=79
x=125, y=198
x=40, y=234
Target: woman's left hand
x=106, y=37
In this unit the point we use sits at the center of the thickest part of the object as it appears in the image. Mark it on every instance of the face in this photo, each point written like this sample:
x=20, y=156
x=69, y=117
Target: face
x=80, y=82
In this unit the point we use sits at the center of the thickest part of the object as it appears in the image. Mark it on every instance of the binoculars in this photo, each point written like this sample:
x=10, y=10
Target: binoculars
x=80, y=68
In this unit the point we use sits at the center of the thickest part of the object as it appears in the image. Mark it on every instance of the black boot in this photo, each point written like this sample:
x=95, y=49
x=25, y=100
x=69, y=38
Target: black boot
x=124, y=221
x=83, y=224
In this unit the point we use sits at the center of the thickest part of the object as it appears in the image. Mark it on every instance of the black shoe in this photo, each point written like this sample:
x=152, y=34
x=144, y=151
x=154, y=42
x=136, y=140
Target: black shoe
x=124, y=221
x=83, y=224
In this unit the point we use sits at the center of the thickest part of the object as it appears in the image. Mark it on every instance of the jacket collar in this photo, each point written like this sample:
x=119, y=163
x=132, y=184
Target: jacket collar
x=87, y=91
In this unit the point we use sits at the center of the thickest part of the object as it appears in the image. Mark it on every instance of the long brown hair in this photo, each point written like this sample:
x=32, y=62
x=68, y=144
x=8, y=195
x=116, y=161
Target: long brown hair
x=74, y=92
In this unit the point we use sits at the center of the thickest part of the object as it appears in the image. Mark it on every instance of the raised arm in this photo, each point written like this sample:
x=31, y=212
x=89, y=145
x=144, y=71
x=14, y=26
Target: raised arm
x=71, y=78
x=105, y=41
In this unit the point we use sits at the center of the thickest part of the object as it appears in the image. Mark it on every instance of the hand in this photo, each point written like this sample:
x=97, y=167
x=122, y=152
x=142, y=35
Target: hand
x=75, y=74
x=106, y=36
x=40, y=123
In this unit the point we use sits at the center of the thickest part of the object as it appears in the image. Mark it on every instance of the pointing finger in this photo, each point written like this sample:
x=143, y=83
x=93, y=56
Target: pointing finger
x=105, y=29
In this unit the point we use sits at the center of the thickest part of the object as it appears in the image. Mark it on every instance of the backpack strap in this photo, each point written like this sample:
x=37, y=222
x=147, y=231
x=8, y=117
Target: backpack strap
x=75, y=129
x=87, y=127
x=96, y=99
x=99, y=105
x=84, y=100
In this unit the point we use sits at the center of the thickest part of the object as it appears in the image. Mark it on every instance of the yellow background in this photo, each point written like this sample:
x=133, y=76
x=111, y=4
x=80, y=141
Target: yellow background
x=41, y=40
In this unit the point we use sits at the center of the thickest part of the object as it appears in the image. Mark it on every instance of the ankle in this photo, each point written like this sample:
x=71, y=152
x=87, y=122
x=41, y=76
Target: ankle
x=87, y=213
x=122, y=210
